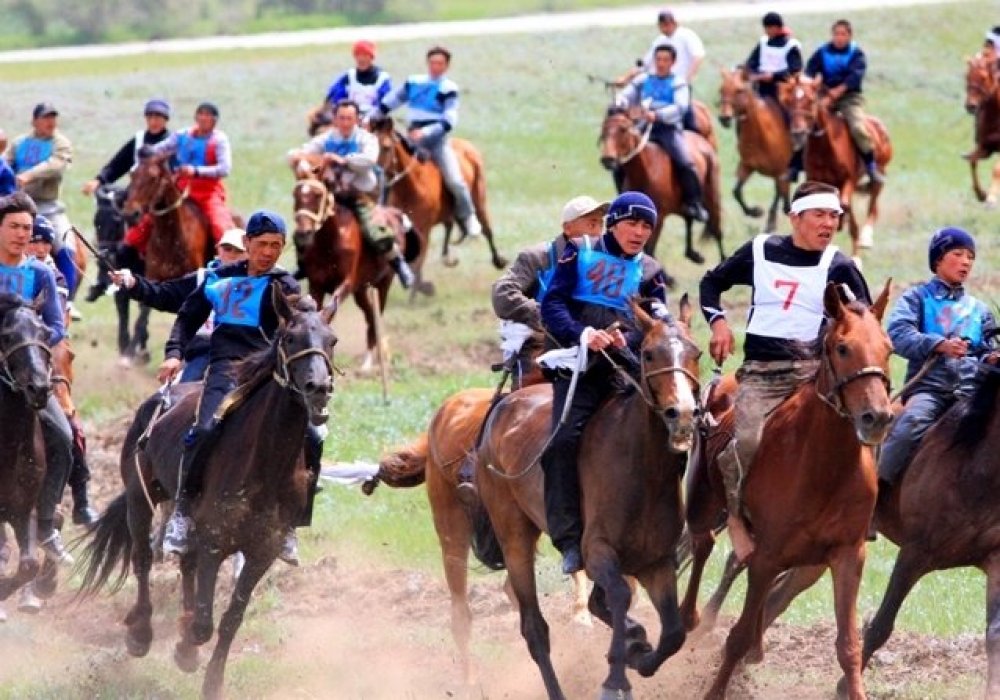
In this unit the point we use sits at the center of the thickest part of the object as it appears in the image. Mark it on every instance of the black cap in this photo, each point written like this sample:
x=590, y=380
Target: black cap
x=665, y=16
x=44, y=109
x=208, y=107
x=773, y=19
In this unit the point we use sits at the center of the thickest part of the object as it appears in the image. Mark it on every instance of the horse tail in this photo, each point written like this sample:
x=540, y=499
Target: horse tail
x=405, y=468
x=485, y=544
x=110, y=547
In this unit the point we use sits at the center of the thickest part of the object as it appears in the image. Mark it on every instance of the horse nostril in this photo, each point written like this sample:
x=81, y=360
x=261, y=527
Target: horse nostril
x=607, y=162
x=672, y=413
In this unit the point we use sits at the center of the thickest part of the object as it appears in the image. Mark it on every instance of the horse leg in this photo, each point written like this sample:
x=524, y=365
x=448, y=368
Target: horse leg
x=992, y=569
x=661, y=586
x=846, y=566
x=446, y=257
x=27, y=567
x=185, y=652
x=742, y=175
x=581, y=592
x=702, y=545
x=250, y=576
x=689, y=252
x=866, y=238
x=138, y=621
x=603, y=566
x=141, y=335
x=846, y=195
x=361, y=299
x=785, y=590
x=991, y=198
x=772, y=212
x=730, y=573
x=635, y=633
x=977, y=188
x=207, y=574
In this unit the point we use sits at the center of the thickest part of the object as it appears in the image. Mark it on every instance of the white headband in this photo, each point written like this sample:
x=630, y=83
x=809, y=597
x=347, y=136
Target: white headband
x=821, y=200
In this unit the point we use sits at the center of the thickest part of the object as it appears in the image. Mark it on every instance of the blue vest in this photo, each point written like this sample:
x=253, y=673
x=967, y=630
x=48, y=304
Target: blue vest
x=835, y=63
x=236, y=300
x=545, y=275
x=30, y=152
x=961, y=318
x=659, y=91
x=19, y=280
x=422, y=94
x=195, y=151
x=606, y=280
x=342, y=147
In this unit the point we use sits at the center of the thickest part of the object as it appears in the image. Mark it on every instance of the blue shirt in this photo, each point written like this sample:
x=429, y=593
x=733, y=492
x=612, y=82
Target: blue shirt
x=8, y=181
x=31, y=280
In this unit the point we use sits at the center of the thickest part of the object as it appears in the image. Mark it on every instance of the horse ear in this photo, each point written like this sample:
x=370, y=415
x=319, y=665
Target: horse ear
x=329, y=311
x=282, y=304
x=832, y=302
x=644, y=320
x=878, y=308
x=686, y=311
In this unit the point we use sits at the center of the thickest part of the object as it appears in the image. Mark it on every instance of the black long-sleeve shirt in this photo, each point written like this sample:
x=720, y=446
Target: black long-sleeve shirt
x=123, y=161
x=793, y=58
x=168, y=295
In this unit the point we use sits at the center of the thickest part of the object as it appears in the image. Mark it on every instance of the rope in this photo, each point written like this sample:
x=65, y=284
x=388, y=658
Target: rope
x=643, y=140
x=172, y=207
x=163, y=405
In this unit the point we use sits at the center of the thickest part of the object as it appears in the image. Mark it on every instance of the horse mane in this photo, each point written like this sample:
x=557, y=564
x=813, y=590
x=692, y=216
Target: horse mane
x=255, y=369
x=9, y=302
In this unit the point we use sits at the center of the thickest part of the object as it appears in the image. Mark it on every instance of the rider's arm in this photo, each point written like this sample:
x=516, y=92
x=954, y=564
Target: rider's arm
x=56, y=164
x=223, y=159
x=697, y=50
x=856, y=71
x=732, y=271
x=8, y=182
x=814, y=66
x=556, y=315
x=367, y=156
x=119, y=165
x=449, y=118
x=166, y=147
x=673, y=113
x=514, y=293
x=392, y=100
x=794, y=61
x=168, y=296
x=753, y=60
x=51, y=311
x=904, y=327
x=338, y=90
x=629, y=95
x=384, y=89
x=193, y=313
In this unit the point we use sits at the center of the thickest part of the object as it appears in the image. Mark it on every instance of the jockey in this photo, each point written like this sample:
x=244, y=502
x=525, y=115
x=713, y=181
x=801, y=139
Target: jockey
x=39, y=158
x=788, y=276
x=241, y=328
x=664, y=97
x=347, y=155
x=938, y=322
x=776, y=57
x=366, y=84
x=433, y=113
x=40, y=247
x=589, y=292
x=203, y=158
x=842, y=65
x=34, y=282
x=157, y=113
x=169, y=296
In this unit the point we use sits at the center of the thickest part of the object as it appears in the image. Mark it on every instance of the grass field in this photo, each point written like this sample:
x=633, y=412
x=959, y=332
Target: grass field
x=528, y=105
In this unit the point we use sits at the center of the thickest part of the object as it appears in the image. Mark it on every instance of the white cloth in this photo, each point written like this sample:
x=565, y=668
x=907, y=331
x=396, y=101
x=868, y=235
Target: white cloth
x=512, y=337
x=686, y=43
x=349, y=473
x=568, y=358
x=774, y=59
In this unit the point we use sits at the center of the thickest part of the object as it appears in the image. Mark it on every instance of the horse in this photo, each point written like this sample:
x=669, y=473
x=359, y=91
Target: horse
x=763, y=141
x=809, y=501
x=648, y=169
x=416, y=187
x=632, y=511
x=182, y=240
x=982, y=100
x=254, y=490
x=830, y=155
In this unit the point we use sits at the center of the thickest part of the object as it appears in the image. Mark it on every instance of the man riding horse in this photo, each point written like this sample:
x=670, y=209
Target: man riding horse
x=366, y=84
x=776, y=58
x=664, y=98
x=34, y=282
x=585, y=301
x=241, y=297
x=157, y=114
x=345, y=156
x=788, y=275
x=433, y=114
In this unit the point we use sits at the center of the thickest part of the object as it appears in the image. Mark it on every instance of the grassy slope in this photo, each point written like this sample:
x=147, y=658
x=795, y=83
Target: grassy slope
x=529, y=107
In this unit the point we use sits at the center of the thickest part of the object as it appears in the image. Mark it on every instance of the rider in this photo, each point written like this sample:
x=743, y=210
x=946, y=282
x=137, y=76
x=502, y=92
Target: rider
x=157, y=113
x=842, y=64
x=34, y=282
x=433, y=113
x=203, y=158
x=664, y=97
x=366, y=84
x=40, y=247
x=39, y=158
x=587, y=295
x=242, y=327
x=936, y=322
x=170, y=295
x=788, y=276
x=347, y=155
x=776, y=57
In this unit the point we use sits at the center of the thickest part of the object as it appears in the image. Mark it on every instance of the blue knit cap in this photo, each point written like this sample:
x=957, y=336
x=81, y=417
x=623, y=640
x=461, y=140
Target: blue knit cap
x=946, y=239
x=631, y=205
x=157, y=106
x=42, y=230
x=264, y=221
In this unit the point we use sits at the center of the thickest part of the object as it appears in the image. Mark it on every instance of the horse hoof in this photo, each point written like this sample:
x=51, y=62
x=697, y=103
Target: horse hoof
x=615, y=694
x=186, y=657
x=28, y=602
x=45, y=587
x=754, y=656
x=583, y=618
x=695, y=257
x=427, y=289
x=138, y=647
x=754, y=212
x=201, y=632
x=866, y=239
x=124, y=361
x=449, y=261
x=500, y=262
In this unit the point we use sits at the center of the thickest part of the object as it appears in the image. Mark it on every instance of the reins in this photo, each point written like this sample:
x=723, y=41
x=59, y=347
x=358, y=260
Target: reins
x=326, y=206
x=643, y=141
x=172, y=207
x=833, y=398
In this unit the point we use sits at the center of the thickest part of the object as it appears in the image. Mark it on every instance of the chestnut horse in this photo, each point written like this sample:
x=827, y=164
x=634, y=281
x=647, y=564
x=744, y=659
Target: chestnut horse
x=417, y=188
x=830, y=155
x=809, y=502
x=181, y=241
x=763, y=141
x=648, y=169
x=982, y=99
x=632, y=510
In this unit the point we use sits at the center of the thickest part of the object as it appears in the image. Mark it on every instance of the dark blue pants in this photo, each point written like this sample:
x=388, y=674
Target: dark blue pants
x=922, y=411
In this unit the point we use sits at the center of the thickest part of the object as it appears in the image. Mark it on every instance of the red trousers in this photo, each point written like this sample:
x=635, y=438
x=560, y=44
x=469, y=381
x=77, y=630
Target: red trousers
x=208, y=194
x=138, y=236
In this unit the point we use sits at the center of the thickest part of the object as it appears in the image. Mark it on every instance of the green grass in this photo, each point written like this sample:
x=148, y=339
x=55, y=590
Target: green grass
x=528, y=106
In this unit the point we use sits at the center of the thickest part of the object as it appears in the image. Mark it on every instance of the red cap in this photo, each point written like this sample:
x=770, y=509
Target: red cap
x=364, y=46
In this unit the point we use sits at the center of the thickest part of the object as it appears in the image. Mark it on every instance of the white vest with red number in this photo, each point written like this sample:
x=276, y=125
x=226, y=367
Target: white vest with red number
x=787, y=300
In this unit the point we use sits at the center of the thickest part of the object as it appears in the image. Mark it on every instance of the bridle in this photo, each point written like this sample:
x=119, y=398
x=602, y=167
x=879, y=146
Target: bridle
x=641, y=144
x=282, y=373
x=736, y=105
x=326, y=206
x=172, y=207
x=6, y=376
x=393, y=163
x=834, y=397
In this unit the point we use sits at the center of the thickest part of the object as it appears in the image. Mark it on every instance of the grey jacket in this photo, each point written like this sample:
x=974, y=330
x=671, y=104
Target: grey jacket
x=515, y=293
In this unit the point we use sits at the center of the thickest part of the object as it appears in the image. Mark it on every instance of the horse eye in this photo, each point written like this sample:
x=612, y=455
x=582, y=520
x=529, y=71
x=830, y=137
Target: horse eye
x=647, y=355
x=842, y=350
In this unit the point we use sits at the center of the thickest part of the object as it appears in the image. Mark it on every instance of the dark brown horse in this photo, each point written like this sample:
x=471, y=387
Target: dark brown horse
x=982, y=100
x=809, y=501
x=254, y=489
x=648, y=169
x=417, y=188
x=181, y=241
x=631, y=459
x=762, y=140
x=831, y=157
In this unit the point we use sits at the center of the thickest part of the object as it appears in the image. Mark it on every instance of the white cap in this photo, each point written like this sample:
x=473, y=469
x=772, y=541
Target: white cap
x=234, y=237
x=581, y=206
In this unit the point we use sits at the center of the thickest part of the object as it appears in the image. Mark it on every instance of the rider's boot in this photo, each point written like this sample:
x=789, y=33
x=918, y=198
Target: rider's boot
x=79, y=476
x=473, y=227
x=732, y=478
x=692, y=195
x=794, y=166
x=874, y=176
x=50, y=542
x=176, y=535
x=465, y=490
x=290, y=548
x=400, y=267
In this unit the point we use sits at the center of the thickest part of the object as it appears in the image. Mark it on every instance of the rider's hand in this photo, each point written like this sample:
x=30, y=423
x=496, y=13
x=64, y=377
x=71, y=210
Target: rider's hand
x=170, y=367
x=90, y=186
x=650, y=115
x=618, y=339
x=22, y=180
x=122, y=278
x=599, y=340
x=415, y=135
x=764, y=77
x=953, y=347
x=722, y=343
x=333, y=159
x=187, y=170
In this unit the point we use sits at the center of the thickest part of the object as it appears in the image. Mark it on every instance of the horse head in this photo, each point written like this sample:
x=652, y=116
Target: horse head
x=854, y=376
x=393, y=147
x=733, y=94
x=149, y=184
x=618, y=138
x=25, y=357
x=669, y=367
x=313, y=204
x=304, y=343
x=800, y=98
x=980, y=81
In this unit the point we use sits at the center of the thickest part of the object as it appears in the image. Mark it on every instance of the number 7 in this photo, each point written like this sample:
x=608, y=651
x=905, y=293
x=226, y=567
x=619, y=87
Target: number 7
x=793, y=287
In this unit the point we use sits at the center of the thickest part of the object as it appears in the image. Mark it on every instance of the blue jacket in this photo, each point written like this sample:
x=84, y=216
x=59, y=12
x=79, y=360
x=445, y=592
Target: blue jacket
x=8, y=181
x=913, y=339
x=33, y=279
x=845, y=66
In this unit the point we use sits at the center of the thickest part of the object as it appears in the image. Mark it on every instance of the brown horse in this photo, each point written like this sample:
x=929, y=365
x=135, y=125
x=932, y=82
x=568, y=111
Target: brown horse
x=648, y=169
x=809, y=501
x=982, y=99
x=417, y=188
x=254, y=489
x=181, y=241
x=762, y=140
x=830, y=155
x=632, y=508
